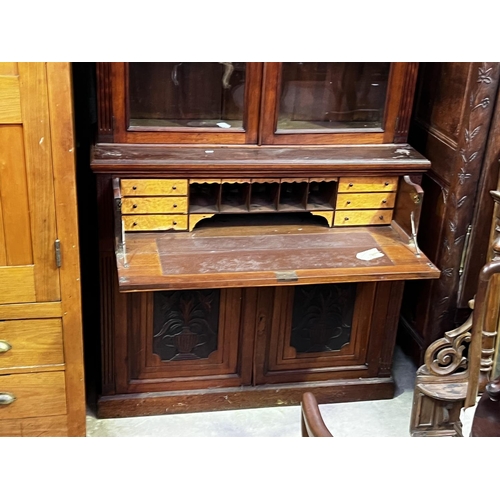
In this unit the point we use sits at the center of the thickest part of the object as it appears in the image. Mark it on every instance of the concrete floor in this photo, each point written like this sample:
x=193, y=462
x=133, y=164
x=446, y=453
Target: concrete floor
x=386, y=418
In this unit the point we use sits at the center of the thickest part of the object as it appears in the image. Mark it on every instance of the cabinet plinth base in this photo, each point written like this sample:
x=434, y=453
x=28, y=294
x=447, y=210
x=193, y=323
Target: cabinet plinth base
x=165, y=403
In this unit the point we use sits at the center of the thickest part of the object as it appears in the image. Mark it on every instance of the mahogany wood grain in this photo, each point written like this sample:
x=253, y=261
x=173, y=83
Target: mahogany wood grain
x=320, y=255
x=124, y=134
x=206, y=162
x=312, y=423
x=270, y=104
x=453, y=111
x=64, y=168
x=163, y=403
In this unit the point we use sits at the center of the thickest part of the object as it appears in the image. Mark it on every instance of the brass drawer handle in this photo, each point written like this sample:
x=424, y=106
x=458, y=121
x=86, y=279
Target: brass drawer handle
x=6, y=398
x=4, y=346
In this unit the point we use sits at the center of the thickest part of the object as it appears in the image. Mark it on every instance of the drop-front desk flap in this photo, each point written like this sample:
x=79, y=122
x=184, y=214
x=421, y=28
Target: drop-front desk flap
x=285, y=249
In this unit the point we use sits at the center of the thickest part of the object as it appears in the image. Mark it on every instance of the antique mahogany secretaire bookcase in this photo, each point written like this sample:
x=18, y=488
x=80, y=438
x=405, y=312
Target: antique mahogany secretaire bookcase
x=257, y=223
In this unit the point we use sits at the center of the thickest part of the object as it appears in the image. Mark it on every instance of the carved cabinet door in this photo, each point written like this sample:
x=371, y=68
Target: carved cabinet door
x=316, y=332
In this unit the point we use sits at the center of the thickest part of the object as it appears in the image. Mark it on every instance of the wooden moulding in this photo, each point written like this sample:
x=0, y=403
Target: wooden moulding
x=232, y=398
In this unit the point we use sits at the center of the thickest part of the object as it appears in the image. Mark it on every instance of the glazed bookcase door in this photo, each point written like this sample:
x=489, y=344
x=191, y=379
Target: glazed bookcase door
x=335, y=103
x=186, y=102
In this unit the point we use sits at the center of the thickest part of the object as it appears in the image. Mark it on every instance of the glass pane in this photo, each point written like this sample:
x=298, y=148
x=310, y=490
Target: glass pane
x=322, y=96
x=190, y=95
x=185, y=324
x=322, y=317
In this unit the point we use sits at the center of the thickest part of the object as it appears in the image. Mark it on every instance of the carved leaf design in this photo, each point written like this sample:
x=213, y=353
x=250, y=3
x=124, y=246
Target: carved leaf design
x=453, y=226
x=446, y=244
x=463, y=176
x=473, y=156
x=443, y=301
x=459, y=239
x=461, y=201
x=483, y=76
x=448, y=272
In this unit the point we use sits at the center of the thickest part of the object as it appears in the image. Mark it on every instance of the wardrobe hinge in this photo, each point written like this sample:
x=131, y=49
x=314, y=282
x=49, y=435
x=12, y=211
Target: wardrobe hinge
x=57, y=247
x=465, y=250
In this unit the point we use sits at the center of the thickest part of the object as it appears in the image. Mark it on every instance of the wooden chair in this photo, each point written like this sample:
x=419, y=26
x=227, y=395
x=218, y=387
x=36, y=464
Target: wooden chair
x=311, y=421
x=486, y=421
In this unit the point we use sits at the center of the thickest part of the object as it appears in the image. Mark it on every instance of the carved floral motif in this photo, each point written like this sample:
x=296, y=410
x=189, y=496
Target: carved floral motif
x=460, y=195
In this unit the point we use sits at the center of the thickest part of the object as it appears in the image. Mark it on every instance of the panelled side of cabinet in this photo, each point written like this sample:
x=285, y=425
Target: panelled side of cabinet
x=41, y=360
x=451, y=125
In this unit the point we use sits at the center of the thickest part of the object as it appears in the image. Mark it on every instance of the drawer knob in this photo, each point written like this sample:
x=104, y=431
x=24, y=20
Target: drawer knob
x=4, y=346
x=351, y=184
x=6, y=398
x=134, y=223
x=175, y=206
x=134, y=187
x=174, y=187
x=346, y=218
x=134, y=206
x=384, y=201
x=386, y=183
x=381, y=217
x=175, y=223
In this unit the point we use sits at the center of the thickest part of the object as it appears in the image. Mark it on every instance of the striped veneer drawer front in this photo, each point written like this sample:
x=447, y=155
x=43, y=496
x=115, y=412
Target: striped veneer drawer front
x=367, y=184
x=155, y=205
x=352, y=201
x=154, y=187
x=362, y=217
x=155, y=222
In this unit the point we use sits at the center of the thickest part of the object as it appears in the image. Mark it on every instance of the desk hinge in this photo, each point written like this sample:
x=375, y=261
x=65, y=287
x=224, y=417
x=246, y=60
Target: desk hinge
x=465, y=250
x=57, y=247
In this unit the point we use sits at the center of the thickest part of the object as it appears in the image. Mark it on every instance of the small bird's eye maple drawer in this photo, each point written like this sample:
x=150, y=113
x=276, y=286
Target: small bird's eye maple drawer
x=352, y=201
x=362, y=217
x=367, y=184
x=155, y=222
x=32, y=395
x=155, y=205
x=154, y=187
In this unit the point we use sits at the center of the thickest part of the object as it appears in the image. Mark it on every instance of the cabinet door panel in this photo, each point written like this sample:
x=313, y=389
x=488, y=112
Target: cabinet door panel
x=189, y=339
x=27, y=208
x=315, y=332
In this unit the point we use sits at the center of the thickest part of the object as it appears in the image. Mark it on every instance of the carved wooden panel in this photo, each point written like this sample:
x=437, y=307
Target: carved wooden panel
x=322, y=317
x=453, y=115
x=314, y=332
x=185, y=324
